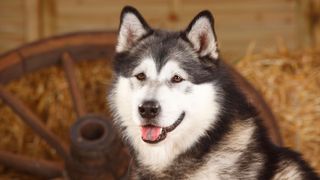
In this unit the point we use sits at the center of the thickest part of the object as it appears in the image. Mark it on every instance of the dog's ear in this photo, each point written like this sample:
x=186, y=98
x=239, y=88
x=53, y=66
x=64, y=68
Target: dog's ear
x=201, y=34
x=132, y=28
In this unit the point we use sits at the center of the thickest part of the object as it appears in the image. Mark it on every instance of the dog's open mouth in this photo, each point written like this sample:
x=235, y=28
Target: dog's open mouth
x=154, y=134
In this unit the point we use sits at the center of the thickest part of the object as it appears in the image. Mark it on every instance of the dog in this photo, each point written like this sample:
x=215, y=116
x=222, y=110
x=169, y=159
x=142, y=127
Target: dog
x=181, y=113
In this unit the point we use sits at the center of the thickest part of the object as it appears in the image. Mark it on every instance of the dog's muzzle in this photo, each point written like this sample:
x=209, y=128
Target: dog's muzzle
x=154, y=134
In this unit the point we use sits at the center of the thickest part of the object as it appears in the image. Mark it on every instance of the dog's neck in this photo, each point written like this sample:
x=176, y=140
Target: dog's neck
x=238, y=135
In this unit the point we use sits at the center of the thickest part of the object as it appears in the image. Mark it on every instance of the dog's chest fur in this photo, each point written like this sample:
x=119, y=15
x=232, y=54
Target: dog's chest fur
x=227, y=160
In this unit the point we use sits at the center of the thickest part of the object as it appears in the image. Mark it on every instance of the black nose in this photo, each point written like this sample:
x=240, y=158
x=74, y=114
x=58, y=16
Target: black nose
x=149, y=109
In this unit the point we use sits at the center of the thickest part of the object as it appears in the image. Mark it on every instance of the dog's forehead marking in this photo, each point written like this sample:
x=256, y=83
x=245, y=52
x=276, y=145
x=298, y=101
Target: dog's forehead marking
x=171, y=68
x=148, y=67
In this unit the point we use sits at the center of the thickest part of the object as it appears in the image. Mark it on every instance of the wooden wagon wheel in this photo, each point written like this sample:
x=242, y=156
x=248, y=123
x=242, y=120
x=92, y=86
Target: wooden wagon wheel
x=84, y=158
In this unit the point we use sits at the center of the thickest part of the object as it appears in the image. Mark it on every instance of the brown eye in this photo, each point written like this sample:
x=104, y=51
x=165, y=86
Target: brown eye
x=176, y=79
x=141, y=76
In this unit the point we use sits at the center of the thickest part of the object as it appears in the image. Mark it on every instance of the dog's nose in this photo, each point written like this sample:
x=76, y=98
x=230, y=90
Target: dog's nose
x=149, y=109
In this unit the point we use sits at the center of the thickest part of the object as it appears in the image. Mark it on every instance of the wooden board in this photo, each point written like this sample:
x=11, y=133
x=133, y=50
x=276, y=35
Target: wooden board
x=238, y=23
x=12, y=32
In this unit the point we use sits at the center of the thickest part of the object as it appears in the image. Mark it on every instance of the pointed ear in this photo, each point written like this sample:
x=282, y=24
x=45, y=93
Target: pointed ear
x=201, y=34
x=132, y=28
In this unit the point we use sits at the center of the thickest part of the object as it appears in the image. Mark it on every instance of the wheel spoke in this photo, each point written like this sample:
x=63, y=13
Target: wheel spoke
x=36, y=167
x=34, y=122
x=69, y=68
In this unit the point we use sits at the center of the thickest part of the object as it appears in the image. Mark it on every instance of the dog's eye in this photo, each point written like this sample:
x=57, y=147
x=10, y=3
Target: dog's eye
x=141, y=76
x=176, y=79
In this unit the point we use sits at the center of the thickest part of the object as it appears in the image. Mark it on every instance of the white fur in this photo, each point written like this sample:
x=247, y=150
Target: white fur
x=131, y=26
x=200, y=105
x=290, y=171
x=200, y=27
x=142, y=92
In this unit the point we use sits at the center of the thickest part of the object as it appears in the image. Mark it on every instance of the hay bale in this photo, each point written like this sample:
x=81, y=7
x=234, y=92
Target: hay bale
x=290, y=83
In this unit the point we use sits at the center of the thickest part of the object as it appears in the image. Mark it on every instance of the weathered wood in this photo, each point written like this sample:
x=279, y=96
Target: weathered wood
x=48, y=18
x=315, y=21
x=32, y=15
x=11, y=67
x=303, y=28
x=308, y=22
x=12, y=30
x=70, y=40
x=28, y=165
x=45, y=53
x=238, y=22
x=76, y=93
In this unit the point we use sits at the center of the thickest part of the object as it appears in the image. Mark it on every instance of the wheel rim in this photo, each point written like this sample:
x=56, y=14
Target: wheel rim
x=66, y=50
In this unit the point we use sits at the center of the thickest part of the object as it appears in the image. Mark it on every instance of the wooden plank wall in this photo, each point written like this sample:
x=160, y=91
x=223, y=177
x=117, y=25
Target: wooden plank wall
x=238, y=23
x=12, y=32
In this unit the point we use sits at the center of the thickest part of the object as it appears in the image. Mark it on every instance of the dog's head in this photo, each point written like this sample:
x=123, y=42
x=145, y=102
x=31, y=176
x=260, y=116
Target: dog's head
x=164, y=88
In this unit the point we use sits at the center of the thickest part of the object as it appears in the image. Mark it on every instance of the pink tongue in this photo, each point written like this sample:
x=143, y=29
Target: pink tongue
x=150, y=133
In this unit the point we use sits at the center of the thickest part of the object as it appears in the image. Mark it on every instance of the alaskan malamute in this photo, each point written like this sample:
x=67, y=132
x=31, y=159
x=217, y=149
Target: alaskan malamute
x=180, y=112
